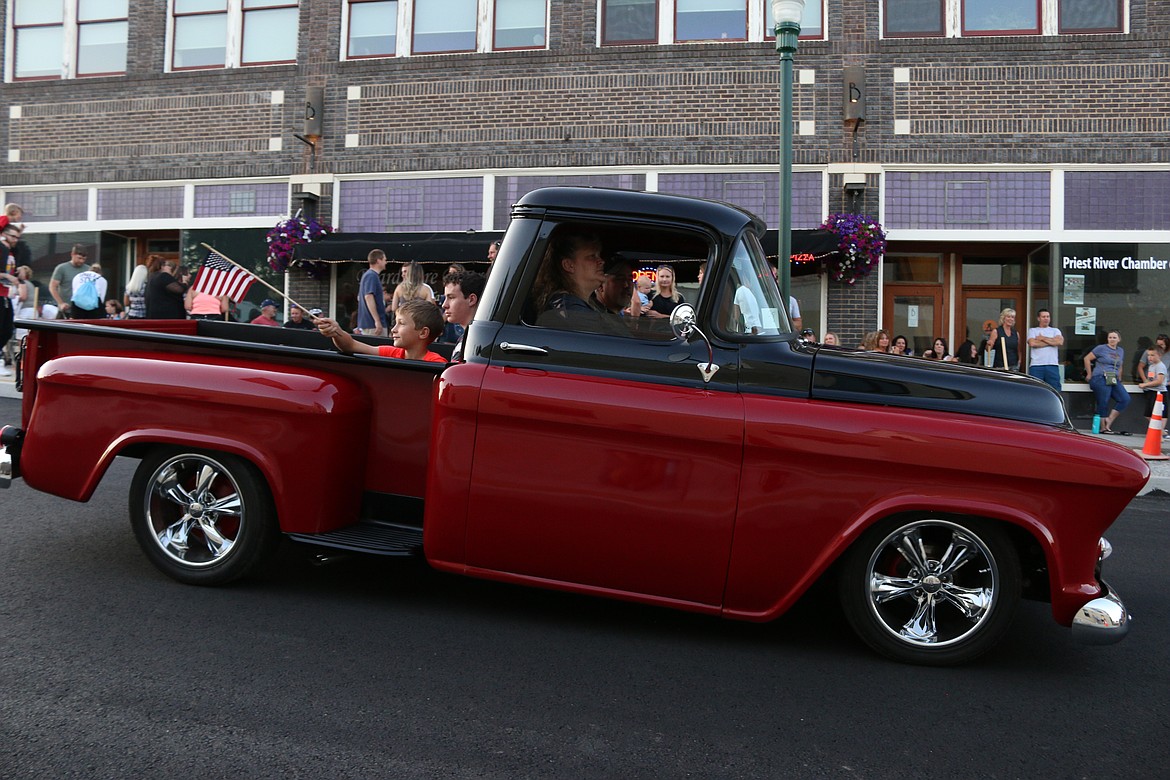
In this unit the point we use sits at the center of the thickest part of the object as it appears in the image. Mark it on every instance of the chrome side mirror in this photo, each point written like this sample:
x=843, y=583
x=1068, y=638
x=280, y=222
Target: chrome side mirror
x=682, y=322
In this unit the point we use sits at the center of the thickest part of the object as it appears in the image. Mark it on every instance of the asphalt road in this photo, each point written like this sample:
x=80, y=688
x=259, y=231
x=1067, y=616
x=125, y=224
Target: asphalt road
x=372, y=668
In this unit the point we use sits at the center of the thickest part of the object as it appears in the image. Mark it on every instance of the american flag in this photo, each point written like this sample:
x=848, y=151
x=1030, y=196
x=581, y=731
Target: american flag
x=219, y=276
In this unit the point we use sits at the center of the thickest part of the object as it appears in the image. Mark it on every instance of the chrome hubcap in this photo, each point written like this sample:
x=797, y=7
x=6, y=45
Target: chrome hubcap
x=932, y=583
x=194, y=510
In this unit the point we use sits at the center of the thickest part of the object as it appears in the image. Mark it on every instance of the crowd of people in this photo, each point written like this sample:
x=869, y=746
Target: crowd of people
x=1000, y=348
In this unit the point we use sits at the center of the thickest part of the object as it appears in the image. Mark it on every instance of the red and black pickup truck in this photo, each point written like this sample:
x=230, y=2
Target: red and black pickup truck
x=692, y=462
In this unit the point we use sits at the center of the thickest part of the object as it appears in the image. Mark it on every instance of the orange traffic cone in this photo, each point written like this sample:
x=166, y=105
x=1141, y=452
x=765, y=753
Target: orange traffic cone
x=1153, y=448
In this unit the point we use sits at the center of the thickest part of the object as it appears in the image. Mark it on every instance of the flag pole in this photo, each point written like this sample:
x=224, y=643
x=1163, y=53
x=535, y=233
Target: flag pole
x=257, y=278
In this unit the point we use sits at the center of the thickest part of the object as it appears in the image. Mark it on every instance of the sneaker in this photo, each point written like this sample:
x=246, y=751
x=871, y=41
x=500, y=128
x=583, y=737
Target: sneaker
x=4, y=371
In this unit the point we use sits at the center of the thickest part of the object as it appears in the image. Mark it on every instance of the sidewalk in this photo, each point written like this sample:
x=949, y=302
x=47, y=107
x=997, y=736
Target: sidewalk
x=7, y=389
x=1159, y=469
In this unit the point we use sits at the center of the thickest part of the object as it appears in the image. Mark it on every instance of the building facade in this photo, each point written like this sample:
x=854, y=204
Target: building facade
x=1015, y=151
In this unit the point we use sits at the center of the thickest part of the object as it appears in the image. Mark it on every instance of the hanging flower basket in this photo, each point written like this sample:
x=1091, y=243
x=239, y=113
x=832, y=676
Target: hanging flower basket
x=284, y=238
x=862, y=242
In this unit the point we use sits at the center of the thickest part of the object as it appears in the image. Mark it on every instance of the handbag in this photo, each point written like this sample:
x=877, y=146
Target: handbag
x=1110, y=377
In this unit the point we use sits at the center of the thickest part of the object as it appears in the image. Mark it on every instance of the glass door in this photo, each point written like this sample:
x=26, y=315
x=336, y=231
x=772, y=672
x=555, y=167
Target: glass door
x=916, y=313
x=980, y=312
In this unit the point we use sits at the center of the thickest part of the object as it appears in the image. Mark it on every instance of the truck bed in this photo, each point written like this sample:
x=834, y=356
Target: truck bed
x=375, y=419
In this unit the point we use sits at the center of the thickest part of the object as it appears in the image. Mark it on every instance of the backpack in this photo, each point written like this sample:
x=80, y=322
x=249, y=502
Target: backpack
x=86, y=296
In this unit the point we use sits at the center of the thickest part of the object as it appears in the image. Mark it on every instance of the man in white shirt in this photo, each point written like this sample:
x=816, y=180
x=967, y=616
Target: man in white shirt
x=1043, y=345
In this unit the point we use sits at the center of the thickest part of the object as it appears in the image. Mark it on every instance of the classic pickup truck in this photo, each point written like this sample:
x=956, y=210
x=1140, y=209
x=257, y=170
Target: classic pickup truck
x=692, y=462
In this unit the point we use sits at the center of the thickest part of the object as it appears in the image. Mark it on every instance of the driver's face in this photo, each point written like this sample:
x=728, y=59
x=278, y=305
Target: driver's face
x=617, y=287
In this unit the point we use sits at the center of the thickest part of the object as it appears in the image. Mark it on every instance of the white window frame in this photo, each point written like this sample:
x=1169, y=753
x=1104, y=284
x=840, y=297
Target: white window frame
x=234, y=54
x=484, y=32
x=757, y=25
x=1049, y=22
x=70, y=37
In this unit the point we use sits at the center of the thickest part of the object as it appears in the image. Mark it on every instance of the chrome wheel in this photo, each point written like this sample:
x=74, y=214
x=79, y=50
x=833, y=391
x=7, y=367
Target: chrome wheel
x=932, y=590
x=194, y=510
x=203, y=518
x=932, y=583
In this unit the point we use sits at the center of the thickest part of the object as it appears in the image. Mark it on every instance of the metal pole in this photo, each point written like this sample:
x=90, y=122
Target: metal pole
x=787, y=34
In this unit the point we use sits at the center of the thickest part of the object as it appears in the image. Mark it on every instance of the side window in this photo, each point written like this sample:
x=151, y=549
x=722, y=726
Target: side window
x=616, y=279
x=749, y=301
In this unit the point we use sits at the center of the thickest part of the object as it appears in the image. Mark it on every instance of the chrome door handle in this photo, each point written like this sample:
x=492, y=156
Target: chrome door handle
x=510, y=347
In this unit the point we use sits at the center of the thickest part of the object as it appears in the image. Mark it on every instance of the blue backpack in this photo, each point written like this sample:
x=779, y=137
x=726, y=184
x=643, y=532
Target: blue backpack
x=86, y=296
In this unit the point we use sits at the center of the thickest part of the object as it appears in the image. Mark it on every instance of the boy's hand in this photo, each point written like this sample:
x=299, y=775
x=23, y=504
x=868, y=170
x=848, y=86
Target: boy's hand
x=328, y=327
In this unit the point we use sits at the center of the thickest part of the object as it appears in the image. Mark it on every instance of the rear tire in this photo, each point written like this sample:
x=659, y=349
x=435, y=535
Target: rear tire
x=932, y=591
x=203, y=518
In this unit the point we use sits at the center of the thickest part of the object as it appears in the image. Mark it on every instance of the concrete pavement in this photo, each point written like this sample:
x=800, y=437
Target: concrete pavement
x=1159, y=478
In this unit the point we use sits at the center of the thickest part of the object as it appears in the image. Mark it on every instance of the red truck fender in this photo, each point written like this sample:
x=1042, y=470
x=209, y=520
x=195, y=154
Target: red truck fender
x=299, y=426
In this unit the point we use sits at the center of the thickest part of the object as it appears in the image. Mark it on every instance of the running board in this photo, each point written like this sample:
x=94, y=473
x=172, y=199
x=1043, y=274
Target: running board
x=377, y=537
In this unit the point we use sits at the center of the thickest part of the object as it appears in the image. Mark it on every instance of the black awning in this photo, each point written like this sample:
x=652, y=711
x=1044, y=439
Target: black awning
x=817, y=243
x=401, y=247
x=471, y=247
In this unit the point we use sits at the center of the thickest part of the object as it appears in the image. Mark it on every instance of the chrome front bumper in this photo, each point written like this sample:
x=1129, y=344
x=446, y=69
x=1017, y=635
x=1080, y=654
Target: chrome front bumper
x=1104, y=620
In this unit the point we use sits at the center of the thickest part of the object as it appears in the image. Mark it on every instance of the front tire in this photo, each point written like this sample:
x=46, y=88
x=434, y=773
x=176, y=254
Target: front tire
x=932, y=591
x=202, y=518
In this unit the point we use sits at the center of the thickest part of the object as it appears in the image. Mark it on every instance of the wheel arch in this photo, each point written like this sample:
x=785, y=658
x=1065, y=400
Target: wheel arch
x=1029, y=538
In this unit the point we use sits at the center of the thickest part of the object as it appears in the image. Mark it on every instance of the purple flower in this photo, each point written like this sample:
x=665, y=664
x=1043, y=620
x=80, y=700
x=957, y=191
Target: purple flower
x=282, y=240
x=861, y=244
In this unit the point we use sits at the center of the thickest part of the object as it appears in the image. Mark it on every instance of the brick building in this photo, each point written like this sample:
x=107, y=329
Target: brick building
x=997, y=137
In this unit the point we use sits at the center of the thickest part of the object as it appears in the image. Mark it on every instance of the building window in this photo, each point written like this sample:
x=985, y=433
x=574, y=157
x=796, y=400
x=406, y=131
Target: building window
x=1090, y=16
x=270, y=32
x=374, y=28
x=231, y=33
x=629, y=22
x=914, y=18
x=519, y=24
x=955, y=18
x=812, y=25
x=1001, y=17
x=710, y=20
x=56, y=39
x=444, y=26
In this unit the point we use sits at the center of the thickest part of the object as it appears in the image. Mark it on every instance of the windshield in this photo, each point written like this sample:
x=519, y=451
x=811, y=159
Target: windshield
x=750, y=300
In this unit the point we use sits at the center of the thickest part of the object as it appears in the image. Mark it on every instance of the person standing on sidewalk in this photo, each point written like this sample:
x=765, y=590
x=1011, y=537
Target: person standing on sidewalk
x=1103, y=367
x=1043, y=343
x=371, y=319
x=1154, y=381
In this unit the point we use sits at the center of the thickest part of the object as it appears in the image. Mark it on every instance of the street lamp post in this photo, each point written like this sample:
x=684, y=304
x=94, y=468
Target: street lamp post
x=787, y=14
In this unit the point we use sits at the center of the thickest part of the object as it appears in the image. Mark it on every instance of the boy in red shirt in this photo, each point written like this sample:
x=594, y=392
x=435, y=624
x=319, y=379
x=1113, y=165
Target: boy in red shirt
x=417, y=322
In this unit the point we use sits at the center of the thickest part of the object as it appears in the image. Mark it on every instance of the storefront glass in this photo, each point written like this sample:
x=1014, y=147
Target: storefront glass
x=244, y=246
x=1103, y=287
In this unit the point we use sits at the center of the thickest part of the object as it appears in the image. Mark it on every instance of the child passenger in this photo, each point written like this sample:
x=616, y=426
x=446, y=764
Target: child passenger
x=417, y=323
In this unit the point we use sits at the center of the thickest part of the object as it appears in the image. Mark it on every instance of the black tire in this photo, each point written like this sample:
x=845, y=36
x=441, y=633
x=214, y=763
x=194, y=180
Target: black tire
x=203, y=518
x=930, y=590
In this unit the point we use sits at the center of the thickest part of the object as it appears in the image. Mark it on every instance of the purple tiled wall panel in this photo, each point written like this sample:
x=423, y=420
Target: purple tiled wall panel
x=52, y=205
x=410, y=205
x=759, y=193
x=140, y=203
x=968, y=200
x=1117, y=200
x=510, y=189
x=241, y=200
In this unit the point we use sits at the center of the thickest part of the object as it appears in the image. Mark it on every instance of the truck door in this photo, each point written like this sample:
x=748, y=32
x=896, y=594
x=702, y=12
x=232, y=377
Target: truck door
x=603, y=462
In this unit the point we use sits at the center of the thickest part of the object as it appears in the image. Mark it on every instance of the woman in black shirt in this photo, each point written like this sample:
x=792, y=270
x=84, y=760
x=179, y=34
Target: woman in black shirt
x=668, y=297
